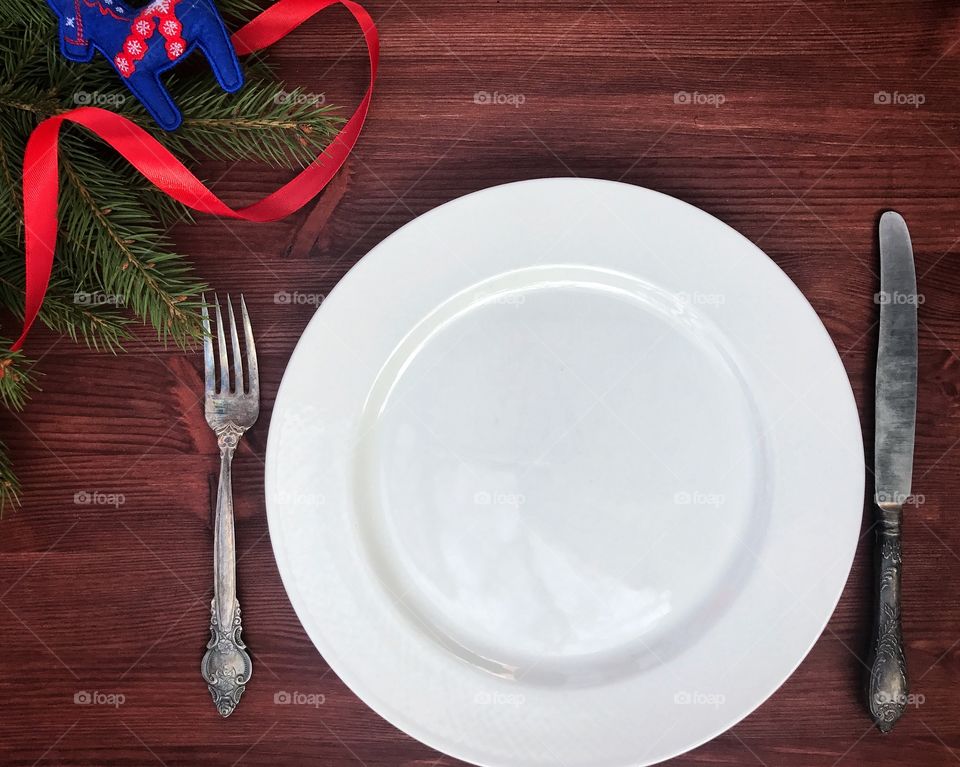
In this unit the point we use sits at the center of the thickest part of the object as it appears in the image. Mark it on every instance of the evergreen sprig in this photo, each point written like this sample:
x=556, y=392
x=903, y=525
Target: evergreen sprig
x=115, y=262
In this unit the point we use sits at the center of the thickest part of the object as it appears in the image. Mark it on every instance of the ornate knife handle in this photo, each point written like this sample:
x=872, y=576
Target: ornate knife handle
x=887, y=686
x=226, y=666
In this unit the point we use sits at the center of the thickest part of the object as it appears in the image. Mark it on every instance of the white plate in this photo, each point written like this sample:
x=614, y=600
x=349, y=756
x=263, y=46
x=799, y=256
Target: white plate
x=564, y=472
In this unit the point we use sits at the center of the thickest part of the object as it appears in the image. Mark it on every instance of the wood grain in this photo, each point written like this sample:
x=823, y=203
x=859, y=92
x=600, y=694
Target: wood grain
x=798, y=157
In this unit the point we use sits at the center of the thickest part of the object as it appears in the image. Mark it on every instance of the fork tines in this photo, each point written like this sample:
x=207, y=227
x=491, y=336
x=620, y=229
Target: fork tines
x=238, y=388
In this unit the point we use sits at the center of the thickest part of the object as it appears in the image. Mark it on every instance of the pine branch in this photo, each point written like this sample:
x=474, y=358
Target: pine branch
x=9, y=484
x=82, y=315
x=136, y=269
x=114, y=257
x=263, y=120
x=33, y=15
x=16, y=379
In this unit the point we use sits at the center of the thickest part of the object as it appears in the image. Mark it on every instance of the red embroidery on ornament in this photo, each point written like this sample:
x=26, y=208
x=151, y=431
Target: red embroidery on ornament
x=142, y=29
x=104, y=11
x=78, y=20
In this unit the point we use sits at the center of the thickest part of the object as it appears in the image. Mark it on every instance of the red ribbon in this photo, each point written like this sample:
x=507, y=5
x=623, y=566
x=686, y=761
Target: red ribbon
x=147, y=155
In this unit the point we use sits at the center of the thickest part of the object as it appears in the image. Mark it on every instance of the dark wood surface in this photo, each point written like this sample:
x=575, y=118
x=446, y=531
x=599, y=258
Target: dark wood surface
x=798, y=157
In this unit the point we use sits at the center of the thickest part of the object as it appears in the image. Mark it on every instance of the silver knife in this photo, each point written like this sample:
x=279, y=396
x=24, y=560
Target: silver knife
x=896, y=411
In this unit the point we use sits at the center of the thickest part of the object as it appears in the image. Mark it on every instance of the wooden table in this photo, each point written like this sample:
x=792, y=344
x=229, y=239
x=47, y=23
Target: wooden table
x=795, y=122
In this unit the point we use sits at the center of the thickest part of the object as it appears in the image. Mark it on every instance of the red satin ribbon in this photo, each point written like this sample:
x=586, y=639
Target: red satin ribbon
x=147, y=155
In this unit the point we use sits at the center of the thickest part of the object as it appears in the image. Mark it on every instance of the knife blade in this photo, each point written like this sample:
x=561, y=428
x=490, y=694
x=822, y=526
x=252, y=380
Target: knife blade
x=896, y=413
x=896, y=402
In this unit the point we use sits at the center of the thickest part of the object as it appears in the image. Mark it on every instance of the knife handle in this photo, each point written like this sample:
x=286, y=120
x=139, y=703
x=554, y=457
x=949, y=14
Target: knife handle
x=887, y=686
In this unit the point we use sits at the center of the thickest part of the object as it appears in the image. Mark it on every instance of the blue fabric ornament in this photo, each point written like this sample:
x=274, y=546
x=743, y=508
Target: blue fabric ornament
x=142, y=43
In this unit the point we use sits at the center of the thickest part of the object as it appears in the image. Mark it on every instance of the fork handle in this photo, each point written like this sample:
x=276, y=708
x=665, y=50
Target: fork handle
x=887, y=684
x=224, y=542
x=226, y=665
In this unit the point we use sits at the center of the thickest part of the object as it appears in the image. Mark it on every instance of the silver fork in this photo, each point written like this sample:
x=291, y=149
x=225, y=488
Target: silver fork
x=230, y=411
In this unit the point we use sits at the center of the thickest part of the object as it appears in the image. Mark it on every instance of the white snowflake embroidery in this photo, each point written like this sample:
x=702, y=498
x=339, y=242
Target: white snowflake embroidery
x=159, y=6
x=176, y=49
x=70, y=21
x=170, y=27
x=143, y=27
x=134, y=47
x=122, y=64
x=108, y=2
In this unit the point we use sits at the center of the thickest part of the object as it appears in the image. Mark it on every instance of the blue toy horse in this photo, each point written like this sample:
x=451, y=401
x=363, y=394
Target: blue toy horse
x=141, y=43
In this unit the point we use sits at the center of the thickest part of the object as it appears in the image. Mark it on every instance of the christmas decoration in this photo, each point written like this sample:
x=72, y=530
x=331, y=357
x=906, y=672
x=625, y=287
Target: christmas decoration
x=93, y=205
x=142, y=44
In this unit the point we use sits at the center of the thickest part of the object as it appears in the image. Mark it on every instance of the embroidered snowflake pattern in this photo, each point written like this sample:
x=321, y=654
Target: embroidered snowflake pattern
x=70, y=21
x=158, y=15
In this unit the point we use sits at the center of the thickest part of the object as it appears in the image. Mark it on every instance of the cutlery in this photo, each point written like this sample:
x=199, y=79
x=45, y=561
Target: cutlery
x=896, y=406
x=230, y=410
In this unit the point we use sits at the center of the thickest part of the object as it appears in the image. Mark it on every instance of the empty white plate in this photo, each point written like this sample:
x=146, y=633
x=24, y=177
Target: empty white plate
x=564, y=472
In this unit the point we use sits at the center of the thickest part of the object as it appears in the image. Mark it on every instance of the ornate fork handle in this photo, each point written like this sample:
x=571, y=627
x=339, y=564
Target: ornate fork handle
x=887, y=685
x=226, y=665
